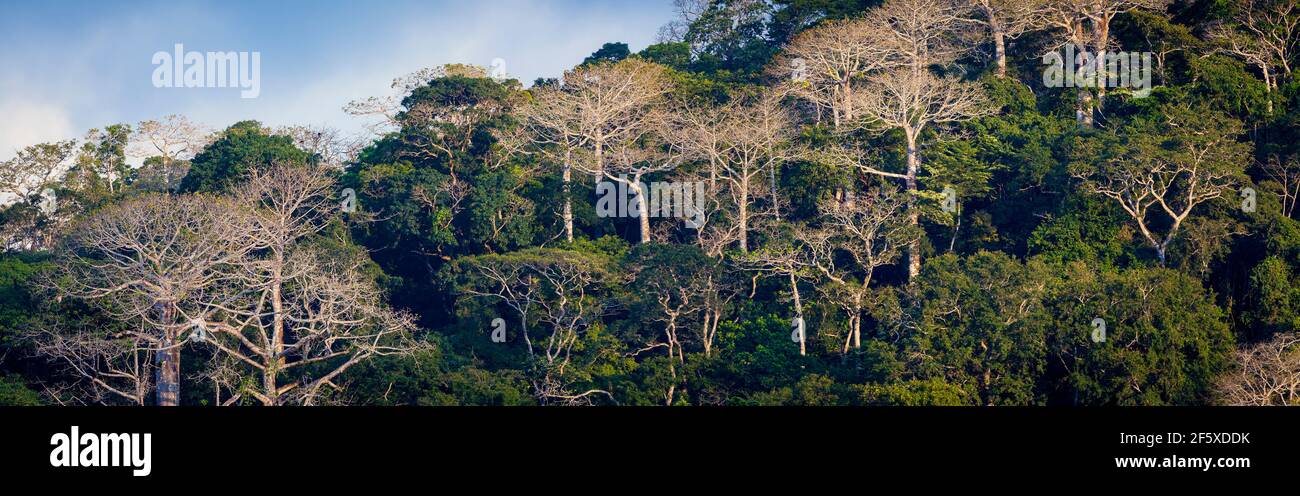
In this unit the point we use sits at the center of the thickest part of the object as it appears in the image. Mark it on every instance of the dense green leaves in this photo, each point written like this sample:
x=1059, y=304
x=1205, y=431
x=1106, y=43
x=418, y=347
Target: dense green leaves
x=1166, y=223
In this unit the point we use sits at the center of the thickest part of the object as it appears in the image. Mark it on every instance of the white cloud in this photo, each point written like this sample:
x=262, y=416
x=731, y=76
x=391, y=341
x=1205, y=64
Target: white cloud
x=29, y=122
x=102, y=75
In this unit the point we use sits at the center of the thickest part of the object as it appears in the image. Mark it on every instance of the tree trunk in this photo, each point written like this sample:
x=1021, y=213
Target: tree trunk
x=1083, y=108
x=798, y=311
x=642, y=208
x=744, y=215
x=600, y=160
x=847, y=92
x=169, y=371
x=568, y=198
x=713, y=175
x=913, y=215
x=707, y=336
x=1102, y=39
x=776, y=200
x=1000, y=52
x=269, y=379
x=857, y=320
x=1268, y=87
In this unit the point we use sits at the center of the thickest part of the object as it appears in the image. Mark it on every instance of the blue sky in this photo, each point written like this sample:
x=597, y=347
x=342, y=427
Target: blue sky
x=70, y=66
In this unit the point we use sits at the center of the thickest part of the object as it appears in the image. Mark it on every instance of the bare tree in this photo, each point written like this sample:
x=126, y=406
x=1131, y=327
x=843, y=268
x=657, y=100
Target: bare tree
x=1007, y=20
x=327, y=144
x=752, y=136
x=555, y=291
x=34, y=168
x=824, y=63
x=1267, y=374
x=627, y=164
x=295, y=317
x=551, y=125
x=156, y=262
x=174, y=139
x=1287, y=175
x=920, y=33
x=1086, y=24
x=1197, y=160
x=695, y=129
x=595, y=107
x=687, y=12
x=856, y=238
x=914, y=102
x=615, y=102
x=384, y=111
x=678, y=306
x=1265, y=34
x=690, y=295
x=788, y=260
x=106, y=367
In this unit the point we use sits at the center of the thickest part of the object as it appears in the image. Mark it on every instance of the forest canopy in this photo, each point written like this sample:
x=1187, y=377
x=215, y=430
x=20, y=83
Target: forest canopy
x=780, y=202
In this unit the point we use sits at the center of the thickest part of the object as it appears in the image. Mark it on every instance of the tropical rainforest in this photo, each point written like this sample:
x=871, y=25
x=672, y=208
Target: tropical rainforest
x=781, y=202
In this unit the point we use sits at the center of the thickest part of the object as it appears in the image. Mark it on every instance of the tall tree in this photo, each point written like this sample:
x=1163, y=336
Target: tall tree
x=823, y=64
x=1086, y=24
x=1265, y=34
x=751, y=136
x=154, y=263
x=104, y=153
x=1006, y=20
x=855, y=239
x=175, y=139
x=296, y=316
x=597, y=106
x=1166, y=164
x=915, y=102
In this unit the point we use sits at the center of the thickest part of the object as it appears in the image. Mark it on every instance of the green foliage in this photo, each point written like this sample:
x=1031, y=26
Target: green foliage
x=14, y=393
x=982, y=326
x=930, y=392
x=609, y=52
x=1274, y=299
x=1003, y=317
x=1165, y=340
x=242, y=147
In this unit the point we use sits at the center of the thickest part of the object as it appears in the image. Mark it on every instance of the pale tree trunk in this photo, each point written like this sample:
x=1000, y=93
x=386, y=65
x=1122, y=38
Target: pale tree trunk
x=708, y=335
x=1083, y=107
x=671, y=331
x=168, y=374
x=1099, y=50
x=269, y=379
x=798, y=311
x=1268, y=87
x=1000, y=52
x=713, y=175
x=913, y=216
x=776, y=200
x=642, y=207
x=1083, y=96
x=847, y=92
x=835, y=109
x=744, y=214
x=568, y=198
x=857, y=319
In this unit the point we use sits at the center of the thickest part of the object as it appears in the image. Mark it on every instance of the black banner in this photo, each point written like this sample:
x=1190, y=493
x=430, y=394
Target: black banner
x=323, y=446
